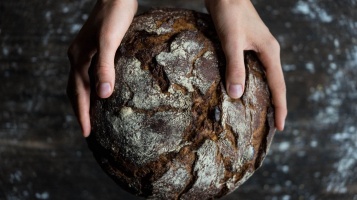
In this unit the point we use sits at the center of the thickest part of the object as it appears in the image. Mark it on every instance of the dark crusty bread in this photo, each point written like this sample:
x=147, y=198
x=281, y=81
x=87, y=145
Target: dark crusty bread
x=169, y=131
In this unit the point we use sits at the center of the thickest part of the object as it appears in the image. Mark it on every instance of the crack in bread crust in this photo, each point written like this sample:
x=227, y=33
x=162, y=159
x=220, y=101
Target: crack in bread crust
x=170, y=131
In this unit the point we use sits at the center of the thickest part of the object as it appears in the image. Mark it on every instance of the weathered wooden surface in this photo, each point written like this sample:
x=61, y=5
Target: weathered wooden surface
x=42, y=153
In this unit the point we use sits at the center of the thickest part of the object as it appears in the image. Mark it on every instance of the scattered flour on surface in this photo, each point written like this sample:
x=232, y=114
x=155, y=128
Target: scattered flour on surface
x=338, y=180
x=311, y=9
x=341, y=88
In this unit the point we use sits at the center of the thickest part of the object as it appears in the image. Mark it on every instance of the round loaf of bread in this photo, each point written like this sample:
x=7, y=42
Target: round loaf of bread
x=170, y=131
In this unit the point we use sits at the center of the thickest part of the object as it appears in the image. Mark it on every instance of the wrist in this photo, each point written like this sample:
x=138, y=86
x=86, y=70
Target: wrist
x=117, y=1
x=209, y=3
x=128, y=5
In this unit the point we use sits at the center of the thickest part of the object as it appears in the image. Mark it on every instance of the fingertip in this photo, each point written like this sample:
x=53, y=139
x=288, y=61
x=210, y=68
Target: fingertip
x=82, y=110
x=235, y=91
x=280, y=117
x=85, y=131
x=105, y=76
x=104, y=90
x=235, y=74
x=84, y=121
x=280, y=126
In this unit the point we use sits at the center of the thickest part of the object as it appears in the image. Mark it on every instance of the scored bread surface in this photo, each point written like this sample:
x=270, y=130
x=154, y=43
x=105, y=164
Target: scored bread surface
x=170, y=131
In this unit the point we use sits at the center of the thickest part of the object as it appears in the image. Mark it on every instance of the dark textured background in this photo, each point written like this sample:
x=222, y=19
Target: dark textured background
x=42, y=152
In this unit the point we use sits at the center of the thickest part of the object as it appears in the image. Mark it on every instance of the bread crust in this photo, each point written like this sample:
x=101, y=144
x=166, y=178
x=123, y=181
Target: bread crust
x=170, y=131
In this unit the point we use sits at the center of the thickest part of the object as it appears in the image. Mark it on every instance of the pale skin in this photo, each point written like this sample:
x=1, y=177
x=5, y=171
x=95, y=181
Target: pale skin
x=239, y=28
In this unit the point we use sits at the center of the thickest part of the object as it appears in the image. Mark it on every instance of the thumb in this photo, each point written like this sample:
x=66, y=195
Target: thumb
x=118, y=16
x=226, y=16
x=105, y=73
x=235, y=71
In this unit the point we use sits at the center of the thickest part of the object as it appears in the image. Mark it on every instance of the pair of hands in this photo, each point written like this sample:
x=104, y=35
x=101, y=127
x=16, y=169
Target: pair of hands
x=239, y=28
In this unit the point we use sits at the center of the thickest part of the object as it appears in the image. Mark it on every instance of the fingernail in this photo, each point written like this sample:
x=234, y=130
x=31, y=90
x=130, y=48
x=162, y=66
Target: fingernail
x=104, y=90
x=235, y=91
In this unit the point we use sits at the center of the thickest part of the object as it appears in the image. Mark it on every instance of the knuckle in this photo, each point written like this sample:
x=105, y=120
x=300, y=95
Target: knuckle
x=235, y=73
x=281, y=89
x=285, y=111
x=280, y=84
x=79, y=57
x=104, y=67
x=74, y=93
x=273, y=43
x=104, y=70
x=73, y=54
x=269, y=43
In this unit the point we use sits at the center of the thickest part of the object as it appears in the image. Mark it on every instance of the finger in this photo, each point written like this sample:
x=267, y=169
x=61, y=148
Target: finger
x=269, y=54
x=117, y=22
x=225, y=17
x=78, y=91
x=78, y=87
x=235, y=69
